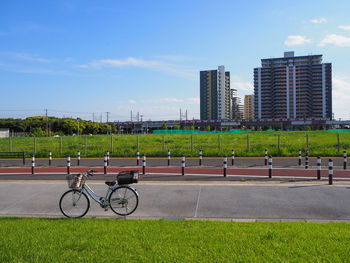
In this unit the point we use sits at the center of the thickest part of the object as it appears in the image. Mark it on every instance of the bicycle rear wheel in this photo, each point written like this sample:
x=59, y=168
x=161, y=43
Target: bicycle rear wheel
x=123, y=200
x=74, y=203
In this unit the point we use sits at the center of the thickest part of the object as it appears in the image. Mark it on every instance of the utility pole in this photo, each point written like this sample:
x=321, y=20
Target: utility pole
x=107, y=115
x=93, y=117
x=141, y=123
x=131, y=115
x=78, y=127
x=186, y=115
x=47, y=124
x=138, y=116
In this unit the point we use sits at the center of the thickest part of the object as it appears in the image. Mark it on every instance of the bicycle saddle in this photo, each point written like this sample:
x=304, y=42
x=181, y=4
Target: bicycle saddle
x=112, y=183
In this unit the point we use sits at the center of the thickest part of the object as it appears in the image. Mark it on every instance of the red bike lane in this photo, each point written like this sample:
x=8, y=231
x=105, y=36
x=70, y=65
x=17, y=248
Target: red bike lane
x=282, y=172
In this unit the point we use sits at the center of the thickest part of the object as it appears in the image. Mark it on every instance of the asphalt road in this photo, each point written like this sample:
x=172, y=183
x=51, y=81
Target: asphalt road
x=180, y=200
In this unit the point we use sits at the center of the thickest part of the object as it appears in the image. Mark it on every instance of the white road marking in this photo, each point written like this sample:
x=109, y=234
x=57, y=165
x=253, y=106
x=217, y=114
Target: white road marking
x=199, y=194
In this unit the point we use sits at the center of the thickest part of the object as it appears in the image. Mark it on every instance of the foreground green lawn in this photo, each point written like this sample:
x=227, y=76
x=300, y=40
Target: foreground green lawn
x=113, y=240
x=324, y=143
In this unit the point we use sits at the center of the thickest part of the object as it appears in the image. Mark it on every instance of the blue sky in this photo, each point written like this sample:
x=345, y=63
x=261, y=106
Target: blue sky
x=76, y=58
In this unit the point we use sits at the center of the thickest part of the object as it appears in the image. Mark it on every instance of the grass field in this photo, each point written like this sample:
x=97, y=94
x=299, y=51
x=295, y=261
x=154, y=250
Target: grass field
x=320, y=143
x=114, y=240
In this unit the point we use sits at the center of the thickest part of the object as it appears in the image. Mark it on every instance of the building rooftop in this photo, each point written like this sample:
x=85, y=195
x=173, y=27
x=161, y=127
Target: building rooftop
x=291, y=60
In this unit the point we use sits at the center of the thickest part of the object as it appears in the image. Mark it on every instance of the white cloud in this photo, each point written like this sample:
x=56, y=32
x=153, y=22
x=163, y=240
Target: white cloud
x=296, y=40
x=243, y=86
x=176, y=100
x=175, y=58
x=318, y=21
x=341, y=95
x=336, y=40
x=156, y=65
x=167, y=108
x=25, y=57
x=170, y=100
x=344, y=27
x=132, y=101
x=193, y=100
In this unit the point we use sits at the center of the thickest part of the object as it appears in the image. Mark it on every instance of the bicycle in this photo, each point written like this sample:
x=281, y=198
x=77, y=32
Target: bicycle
x=120, y=196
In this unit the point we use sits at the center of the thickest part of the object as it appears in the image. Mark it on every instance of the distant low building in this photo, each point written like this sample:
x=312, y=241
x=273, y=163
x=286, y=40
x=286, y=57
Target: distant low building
x=4, y=133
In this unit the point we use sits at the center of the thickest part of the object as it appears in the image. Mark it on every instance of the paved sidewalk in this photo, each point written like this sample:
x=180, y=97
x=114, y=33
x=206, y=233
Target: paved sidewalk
x=179, y=200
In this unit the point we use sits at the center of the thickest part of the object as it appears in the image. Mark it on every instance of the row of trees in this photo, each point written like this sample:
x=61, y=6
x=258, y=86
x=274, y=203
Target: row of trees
x=42, y=126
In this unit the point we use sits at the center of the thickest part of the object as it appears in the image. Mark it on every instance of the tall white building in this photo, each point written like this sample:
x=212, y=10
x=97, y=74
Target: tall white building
x=215, y=97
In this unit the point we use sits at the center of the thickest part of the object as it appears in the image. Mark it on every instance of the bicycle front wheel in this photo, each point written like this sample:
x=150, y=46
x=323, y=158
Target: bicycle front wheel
x=74, y=203
x=123, y=200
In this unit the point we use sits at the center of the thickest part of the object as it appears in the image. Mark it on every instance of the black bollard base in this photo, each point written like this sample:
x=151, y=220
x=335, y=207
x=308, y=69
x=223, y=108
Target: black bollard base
x=330, y=179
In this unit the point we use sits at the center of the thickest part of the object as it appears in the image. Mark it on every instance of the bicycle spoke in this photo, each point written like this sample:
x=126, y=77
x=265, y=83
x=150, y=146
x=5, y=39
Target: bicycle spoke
x=127, y=200
x=74, y=203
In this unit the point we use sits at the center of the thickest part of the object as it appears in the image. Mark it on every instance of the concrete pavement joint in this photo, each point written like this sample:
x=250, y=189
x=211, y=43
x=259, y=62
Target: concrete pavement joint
x=199, y=194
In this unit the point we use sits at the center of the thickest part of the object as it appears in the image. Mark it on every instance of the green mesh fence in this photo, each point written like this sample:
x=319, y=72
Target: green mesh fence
x=198, y=131
x=339, y=130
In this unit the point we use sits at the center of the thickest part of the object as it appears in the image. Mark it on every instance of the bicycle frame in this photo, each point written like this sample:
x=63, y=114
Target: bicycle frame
x=98, y=198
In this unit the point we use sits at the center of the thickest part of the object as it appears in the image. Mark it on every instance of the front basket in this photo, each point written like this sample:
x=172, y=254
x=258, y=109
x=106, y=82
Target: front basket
x=74, y=181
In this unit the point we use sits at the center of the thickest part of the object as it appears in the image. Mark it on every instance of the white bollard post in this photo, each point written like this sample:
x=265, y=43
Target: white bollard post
x=143, y=164
x=270, y=166
x=330, y=171
x=168, y=157
x=318, y=167
x=33, y=164
x=233, y=157
x=183, y=164
x=68, y=165
x=225, y=166
x=105, y=164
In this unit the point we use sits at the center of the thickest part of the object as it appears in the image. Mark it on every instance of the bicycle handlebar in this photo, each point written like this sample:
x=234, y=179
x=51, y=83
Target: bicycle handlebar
x=91, y=172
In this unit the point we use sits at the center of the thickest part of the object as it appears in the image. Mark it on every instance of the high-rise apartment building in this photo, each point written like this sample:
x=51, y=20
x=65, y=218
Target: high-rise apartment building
x=215, y=99
x=293, y=88
x=237, y=107
x=249, y=107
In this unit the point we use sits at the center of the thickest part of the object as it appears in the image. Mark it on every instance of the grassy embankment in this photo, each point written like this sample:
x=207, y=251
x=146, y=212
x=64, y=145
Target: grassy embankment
x=111, y=240
x=320, y=143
